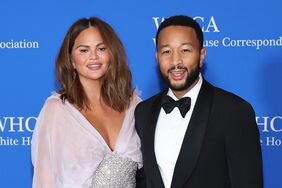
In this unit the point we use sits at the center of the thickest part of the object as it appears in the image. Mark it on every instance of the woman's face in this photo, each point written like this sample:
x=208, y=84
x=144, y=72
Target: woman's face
x=90, y=55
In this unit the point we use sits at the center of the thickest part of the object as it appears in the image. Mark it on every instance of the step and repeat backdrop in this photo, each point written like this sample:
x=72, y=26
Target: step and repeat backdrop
x=244, y=56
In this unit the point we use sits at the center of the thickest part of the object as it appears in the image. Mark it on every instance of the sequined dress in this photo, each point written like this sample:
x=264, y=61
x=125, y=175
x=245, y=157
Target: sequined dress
x=115, y=172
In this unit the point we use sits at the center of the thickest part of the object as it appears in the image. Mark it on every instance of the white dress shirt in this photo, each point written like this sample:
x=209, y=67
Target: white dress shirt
x=169, y=134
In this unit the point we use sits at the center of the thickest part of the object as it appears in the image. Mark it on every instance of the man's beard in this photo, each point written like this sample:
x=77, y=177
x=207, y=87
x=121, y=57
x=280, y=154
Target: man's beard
x=190, y=79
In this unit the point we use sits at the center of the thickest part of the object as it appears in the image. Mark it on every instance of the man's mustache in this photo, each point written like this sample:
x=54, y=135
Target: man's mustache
x=177, y=67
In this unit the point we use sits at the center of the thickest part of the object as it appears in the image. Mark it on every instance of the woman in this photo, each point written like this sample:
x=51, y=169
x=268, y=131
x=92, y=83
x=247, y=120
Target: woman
x=85, y=135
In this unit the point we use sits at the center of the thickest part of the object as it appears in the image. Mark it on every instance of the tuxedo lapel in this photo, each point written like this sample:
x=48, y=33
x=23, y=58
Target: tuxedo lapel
x=193, y=138
x=149, y=143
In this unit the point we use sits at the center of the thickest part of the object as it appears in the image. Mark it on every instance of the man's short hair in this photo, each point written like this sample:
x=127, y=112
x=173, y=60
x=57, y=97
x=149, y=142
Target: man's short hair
x=181, y=20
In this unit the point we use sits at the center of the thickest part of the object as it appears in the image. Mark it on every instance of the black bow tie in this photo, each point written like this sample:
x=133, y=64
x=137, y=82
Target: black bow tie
x=169, y=103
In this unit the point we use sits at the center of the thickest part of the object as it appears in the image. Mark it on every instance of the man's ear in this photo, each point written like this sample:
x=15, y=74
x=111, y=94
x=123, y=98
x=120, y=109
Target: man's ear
x=156, y=55
x=202, y=56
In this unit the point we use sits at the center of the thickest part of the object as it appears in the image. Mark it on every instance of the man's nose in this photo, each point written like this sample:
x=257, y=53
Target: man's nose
x=176, y=58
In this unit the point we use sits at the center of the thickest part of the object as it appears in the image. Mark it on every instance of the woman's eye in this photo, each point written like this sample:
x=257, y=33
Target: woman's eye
x=102, y=48
x=83, y=50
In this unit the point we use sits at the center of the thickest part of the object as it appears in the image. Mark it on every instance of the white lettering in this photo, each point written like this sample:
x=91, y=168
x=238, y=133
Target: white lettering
x=8, y=141
x=272, y=141
x=158, y=21
x=27, y=123
x=17, y=124
x=256, y=43
x=208, y=26
x=264, y=123
x=273, y=124
x=211, y=24
x=270, y=124
x=18, y=44
x=211, y=43
x=26, y=141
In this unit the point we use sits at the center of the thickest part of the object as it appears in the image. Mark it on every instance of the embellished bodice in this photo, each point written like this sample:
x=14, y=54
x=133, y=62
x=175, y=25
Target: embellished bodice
x=115, y=172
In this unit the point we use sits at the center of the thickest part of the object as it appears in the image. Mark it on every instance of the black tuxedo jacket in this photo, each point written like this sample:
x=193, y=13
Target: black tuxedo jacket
x=221, y=147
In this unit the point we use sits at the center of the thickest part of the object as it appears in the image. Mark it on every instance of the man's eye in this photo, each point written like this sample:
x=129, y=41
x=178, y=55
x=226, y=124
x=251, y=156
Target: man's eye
x=165, y=52
x=186, y=50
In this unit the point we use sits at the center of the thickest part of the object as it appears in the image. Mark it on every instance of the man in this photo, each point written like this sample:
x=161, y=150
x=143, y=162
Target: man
x=216, y=143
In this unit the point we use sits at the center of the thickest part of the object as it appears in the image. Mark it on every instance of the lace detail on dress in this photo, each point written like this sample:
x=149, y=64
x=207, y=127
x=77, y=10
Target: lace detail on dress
x=115, y=172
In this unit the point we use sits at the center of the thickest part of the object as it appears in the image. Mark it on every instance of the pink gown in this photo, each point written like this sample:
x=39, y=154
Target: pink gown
x=67, y=151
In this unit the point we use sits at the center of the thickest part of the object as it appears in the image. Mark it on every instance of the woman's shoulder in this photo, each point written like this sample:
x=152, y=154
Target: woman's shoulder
x=54, y=101
x=136, y=97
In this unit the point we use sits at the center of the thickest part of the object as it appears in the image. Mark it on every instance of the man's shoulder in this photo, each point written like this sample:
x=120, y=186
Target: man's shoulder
x=230, y=99
x=228, y=95
x=153, y=98
x=150, y=102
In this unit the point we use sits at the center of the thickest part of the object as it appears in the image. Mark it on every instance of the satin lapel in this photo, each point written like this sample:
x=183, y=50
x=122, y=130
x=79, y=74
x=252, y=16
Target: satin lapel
x=194, y=137
x=150, y=157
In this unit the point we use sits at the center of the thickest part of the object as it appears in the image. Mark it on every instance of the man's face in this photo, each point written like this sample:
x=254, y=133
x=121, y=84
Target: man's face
x=179, y=56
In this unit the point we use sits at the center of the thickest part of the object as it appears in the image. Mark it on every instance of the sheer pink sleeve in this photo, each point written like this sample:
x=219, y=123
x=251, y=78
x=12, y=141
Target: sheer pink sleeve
x=45, y=141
